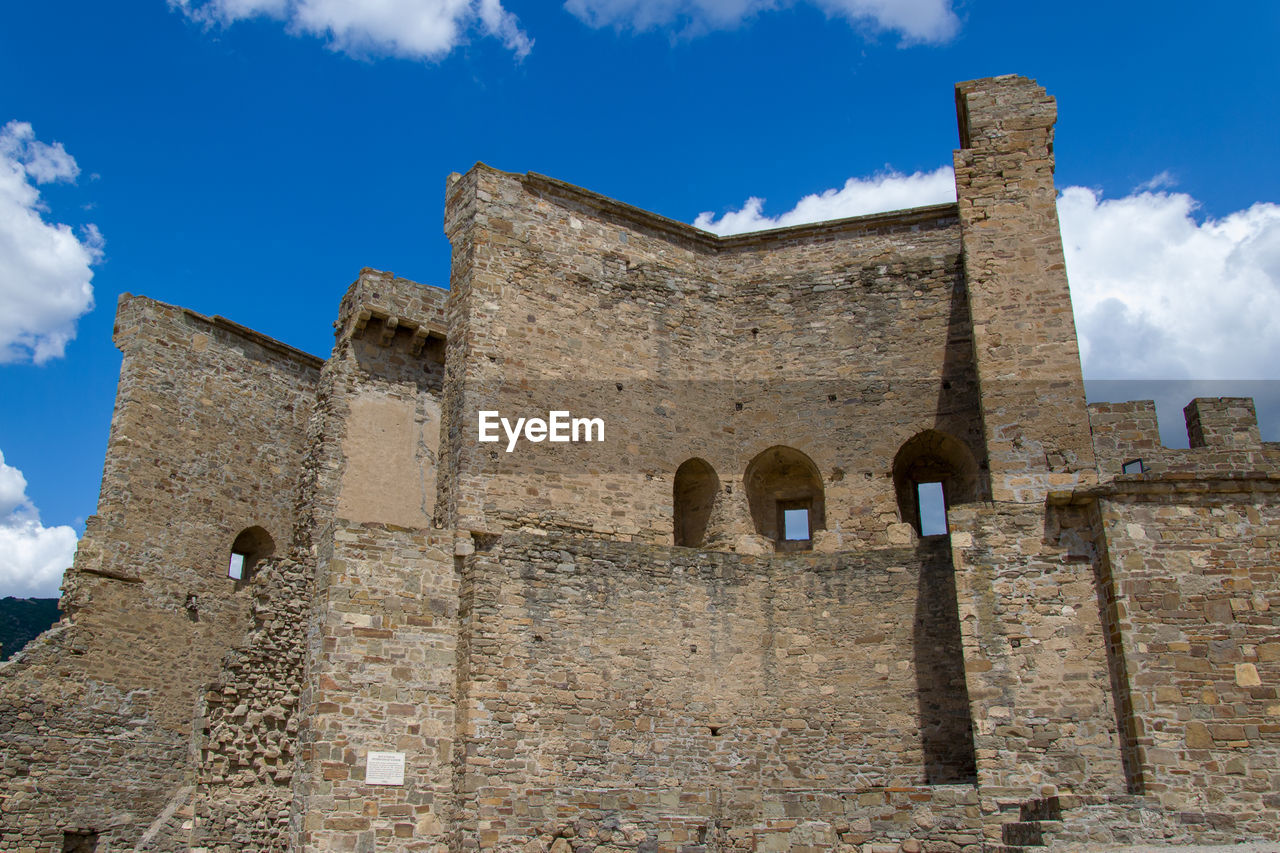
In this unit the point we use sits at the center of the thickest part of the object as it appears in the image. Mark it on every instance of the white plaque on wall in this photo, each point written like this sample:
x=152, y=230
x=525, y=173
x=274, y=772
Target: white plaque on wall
x=385, y=768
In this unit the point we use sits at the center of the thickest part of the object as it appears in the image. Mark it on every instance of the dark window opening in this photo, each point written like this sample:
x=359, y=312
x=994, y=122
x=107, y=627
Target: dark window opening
x=79, y=842
x=693, y=496
x=250, y=548
x=932, y=504
x=1133, y=466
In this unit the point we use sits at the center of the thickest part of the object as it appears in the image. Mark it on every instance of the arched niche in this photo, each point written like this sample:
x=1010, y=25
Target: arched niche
x=933, y=456
x=783, y=485
x=693, y=494
x=250, y=548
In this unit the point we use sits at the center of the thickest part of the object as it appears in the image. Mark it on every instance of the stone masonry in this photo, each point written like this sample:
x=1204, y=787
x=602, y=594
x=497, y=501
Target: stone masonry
x=316, y=612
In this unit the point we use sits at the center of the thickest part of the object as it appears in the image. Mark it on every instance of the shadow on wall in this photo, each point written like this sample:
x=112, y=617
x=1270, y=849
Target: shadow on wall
x=946, y=726
x=694, y=495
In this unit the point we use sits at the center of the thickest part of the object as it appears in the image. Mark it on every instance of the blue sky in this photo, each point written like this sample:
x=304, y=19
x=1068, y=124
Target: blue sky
x=248, y=157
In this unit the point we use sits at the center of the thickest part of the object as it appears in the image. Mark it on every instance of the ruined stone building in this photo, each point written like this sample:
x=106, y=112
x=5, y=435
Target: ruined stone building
x=315, y=612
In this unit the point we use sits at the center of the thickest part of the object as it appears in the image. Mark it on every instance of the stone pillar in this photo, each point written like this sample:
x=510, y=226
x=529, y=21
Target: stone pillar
x=381, y=660
x=1033, y=405
x=1223, y=422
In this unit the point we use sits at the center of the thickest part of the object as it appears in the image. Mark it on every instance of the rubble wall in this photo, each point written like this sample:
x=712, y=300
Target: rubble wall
x=249, y=734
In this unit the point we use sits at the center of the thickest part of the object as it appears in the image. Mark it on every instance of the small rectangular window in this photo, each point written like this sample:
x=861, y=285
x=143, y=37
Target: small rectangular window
x=236, y=571
x=1133, y=466
x=933, y=509
x=795, y=524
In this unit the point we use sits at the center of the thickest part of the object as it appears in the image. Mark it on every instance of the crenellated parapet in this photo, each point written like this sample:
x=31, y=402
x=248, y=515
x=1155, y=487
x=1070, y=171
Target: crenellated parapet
x=1223, y=435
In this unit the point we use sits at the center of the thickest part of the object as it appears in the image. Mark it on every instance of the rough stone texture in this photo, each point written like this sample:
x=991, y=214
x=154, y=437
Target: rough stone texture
x=207, y=440
x=1195, y=582
x=857, y=330
x=1090, y=658
x=1032, y=388
x=1034, y=654
x=1223, y=433
x=250, y=733
x=615, y=666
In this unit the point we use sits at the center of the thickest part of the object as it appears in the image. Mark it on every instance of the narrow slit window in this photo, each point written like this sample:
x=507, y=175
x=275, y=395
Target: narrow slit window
x=795, y=524
x=236, y=569
x=933, y=509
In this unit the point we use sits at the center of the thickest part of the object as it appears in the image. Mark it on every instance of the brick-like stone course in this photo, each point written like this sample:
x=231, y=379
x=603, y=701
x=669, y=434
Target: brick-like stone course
x=1195, y=582
x=381, y=676
x=1035, y=655
x=615, y=666
x=1223, y=433
x=691, y=346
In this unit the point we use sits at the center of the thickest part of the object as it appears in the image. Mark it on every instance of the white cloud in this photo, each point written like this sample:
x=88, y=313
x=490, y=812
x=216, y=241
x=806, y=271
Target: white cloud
x=413, y=29
x=1157, y=294
x=32, y=556
x=916, y=20
x=45, y=275
x=1162, y=181
x=888, y=190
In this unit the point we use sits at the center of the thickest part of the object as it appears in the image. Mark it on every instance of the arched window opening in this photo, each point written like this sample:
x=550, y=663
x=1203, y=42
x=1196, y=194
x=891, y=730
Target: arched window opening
x=784, y=490
x=931, y=472
x=251, y=547
x=694, y=494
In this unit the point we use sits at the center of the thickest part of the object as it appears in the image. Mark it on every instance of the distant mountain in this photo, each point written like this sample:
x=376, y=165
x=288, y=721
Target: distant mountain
x=22, y=619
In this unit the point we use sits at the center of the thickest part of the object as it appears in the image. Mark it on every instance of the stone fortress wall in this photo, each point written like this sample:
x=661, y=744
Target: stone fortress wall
x=207, y=440
x=616, y=645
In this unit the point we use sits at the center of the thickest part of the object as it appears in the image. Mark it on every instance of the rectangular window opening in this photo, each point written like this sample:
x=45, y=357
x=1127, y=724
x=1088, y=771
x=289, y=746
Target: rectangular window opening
x=236, y=570
x=933, y=509
x=795, y=525
x=1133, y=466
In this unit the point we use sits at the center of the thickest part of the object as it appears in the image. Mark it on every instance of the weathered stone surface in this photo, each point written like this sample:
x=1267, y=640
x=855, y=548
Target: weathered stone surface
x=628, y=644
